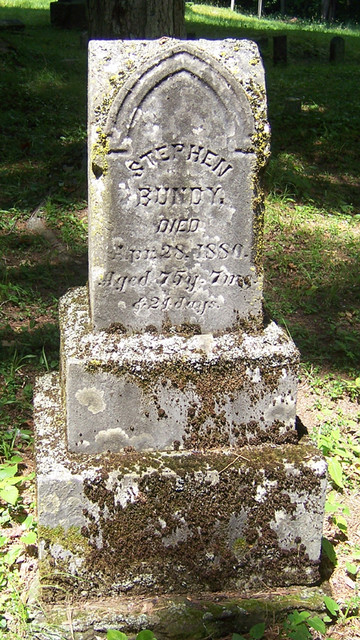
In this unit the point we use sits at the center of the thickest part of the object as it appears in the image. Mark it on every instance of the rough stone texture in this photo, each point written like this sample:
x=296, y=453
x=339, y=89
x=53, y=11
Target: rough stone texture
x=177, y=135
x=152, y=523
x=174, y=617
x=150, y=391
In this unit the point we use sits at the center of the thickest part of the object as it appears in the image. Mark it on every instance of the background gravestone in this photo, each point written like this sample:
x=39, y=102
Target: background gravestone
x=280, y=49
x=69, y=14
x=337, y=49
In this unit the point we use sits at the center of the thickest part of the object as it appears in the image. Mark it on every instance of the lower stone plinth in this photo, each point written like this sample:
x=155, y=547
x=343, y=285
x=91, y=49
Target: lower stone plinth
x=181, y=522
x=204, y=616
x=169, y=391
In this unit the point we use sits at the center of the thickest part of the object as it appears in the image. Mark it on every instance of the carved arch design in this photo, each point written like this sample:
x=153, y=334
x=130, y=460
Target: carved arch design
x=199, y=65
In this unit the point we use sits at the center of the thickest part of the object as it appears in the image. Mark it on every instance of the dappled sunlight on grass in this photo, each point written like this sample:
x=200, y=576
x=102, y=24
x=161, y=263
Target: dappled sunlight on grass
x=224, y=17
x=312, y=262
x=45, y=80
x=25, y=4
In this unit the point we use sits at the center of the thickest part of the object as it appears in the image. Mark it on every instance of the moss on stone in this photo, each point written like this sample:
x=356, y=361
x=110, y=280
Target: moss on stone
x=70, y=539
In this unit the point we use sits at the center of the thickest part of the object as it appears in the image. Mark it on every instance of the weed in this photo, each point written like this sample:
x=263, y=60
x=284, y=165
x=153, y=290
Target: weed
x=348, y=611
x=13, y=514
x=338, y=510
x=343, y=453
x=255, y=633
x=298, y=625
x=146, y=634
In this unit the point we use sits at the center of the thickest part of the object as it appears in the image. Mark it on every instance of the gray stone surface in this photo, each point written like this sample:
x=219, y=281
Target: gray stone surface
x=150, y=523
x=151, y=391
x=177, y=134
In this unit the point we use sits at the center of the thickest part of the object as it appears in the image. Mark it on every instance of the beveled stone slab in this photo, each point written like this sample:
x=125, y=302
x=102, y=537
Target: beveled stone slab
x=177, y=135
x=152, y=523
x=152, y=391
x=174, y=617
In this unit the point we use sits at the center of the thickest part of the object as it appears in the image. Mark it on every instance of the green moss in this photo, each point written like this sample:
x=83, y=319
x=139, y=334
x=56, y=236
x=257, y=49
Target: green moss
x=70, y=539
x=173, y=532
x=99, y=155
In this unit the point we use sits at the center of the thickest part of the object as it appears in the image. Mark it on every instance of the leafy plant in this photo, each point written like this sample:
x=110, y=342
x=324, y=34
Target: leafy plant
x=298, y=624
x=343, y=452
x=329, y=550
x=11, y=603
x=337, y=510
x=255, y=633
x=348, y=611
x=145, y=634
x=9, y=492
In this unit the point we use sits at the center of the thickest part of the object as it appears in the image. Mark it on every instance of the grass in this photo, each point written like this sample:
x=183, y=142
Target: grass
x=311, y=248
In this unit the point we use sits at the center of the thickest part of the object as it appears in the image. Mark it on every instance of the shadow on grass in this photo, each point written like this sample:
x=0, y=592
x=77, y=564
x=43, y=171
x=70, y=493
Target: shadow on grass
x=314, y=151
x=43, y=112
x=37, y=288
x=312, y=288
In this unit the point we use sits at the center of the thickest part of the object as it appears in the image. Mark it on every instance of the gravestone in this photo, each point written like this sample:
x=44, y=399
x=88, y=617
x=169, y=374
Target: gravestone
x=280, y=49
x=11, y=25
x=337, y=49
x=68, y=14
x=167, y=454
x=185, y=185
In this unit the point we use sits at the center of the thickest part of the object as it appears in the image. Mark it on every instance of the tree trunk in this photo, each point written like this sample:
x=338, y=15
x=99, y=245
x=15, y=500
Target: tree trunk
x=135, y=19
x=328, y=10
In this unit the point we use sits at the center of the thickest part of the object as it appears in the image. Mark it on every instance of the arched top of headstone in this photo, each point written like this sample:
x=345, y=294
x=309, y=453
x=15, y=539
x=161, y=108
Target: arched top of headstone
x=177, y=83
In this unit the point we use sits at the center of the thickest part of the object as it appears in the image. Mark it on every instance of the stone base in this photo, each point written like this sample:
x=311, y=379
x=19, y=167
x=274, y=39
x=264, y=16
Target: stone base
x=214, y=615
x=149, y=523
x=172, y=392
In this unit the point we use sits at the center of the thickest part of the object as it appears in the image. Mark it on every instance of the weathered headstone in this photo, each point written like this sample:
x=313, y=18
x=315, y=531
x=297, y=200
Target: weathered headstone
x=180, y=242
x=175, y=241
x=337, y=49
x=11, y=25
x=280, y=49
x=157, y=461
x=68, y=14
x=292, y=106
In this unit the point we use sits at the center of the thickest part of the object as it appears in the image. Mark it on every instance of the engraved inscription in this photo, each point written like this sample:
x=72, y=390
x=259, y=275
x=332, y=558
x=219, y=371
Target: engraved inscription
x=122, y=283
x=194, y=285
x=192, y=153
x=179, y=252
x=179, y=225
x=170, y=196
x=170, y=303
x=175, y=278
